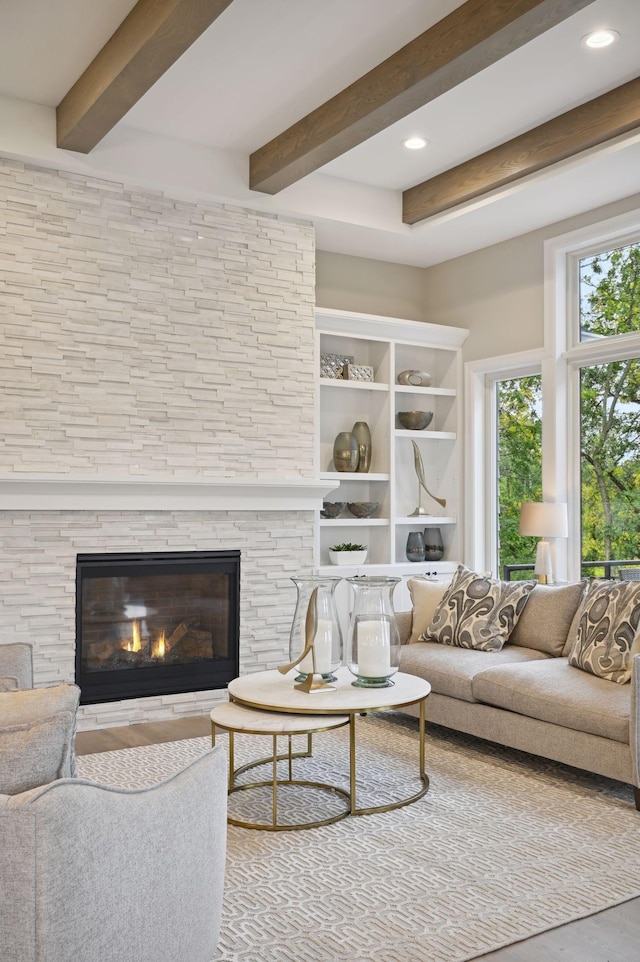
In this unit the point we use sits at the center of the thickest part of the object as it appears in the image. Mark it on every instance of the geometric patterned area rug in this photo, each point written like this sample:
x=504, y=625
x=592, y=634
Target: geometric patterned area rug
x=503, y=846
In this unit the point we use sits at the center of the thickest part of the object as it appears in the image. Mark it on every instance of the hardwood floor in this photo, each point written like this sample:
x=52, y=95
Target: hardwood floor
x=609, y=936
x=150, y=733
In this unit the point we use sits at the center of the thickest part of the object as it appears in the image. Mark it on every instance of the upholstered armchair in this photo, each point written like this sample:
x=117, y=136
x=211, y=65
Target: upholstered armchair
x=96, y=874
x=90, y=873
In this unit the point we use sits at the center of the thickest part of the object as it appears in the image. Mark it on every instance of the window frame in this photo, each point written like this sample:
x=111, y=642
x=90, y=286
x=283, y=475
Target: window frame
x=561, y=455
x=481, y=450
x=558, y=361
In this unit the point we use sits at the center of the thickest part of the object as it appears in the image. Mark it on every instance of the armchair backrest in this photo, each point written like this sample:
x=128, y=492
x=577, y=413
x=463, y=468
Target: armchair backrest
x=91, y=873
x=16, y=666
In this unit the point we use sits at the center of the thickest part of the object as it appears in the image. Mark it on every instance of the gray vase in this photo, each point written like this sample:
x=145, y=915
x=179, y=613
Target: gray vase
x=415, y=546
x=345, y=452
x=362, y=434
x=433, y=546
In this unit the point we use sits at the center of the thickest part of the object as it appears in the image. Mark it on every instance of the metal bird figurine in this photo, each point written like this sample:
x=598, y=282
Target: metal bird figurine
x=417, y=459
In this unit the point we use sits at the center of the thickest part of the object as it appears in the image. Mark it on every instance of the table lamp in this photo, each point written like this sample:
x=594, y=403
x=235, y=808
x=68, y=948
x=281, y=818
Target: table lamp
x=542, y=519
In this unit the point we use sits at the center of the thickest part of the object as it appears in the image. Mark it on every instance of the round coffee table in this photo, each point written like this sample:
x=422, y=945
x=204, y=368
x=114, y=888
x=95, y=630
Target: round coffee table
x=270, y=691
x=236, y=719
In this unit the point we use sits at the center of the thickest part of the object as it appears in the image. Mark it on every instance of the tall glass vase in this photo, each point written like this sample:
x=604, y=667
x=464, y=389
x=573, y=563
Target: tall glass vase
x=316, y=619
x=373, y=641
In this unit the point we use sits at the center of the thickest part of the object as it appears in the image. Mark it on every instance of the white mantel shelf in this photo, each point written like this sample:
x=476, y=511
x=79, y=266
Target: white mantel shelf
x=20, y=493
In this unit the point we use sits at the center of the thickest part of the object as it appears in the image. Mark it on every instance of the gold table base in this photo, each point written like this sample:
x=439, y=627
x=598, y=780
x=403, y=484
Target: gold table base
x=274, y=782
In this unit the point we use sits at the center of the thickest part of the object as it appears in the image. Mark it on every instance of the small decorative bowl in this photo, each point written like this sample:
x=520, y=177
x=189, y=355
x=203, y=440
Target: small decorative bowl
x=362, y=509
x=414, y=378
x=415, y=420
x=331, y=509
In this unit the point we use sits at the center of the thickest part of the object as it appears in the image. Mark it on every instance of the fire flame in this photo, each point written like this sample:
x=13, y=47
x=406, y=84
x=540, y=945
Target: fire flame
x=159, y=647
x=134, y=644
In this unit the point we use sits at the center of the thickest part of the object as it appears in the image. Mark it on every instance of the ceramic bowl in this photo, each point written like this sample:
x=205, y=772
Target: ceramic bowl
x=414, y=378
x=331, y=509
x=415, y=420
x=362, y=509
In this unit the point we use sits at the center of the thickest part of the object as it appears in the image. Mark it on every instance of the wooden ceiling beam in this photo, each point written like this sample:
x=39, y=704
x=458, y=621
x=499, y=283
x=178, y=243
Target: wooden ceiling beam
x=471, y=38
x=145, y=45
x=595, y=122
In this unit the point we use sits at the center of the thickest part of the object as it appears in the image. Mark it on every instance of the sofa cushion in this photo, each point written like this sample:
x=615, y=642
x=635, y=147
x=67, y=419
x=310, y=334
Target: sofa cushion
x=553, y=691
x=545, y=622
x=31, y=705
x=450, y=671
x=478, y=611
x=606, y=634
x=426, y=595
x=35, y=754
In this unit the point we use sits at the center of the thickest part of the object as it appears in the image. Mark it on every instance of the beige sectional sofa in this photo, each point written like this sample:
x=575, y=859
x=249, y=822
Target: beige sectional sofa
x=526, y=695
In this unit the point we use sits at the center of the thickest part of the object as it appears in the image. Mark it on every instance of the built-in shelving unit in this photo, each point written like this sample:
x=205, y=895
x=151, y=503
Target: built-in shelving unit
x=390, y=346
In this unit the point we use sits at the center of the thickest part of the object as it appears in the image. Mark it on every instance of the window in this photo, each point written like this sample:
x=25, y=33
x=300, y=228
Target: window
x=609, y=293
x=519, y=472
x=585, y=419
x=596, y=391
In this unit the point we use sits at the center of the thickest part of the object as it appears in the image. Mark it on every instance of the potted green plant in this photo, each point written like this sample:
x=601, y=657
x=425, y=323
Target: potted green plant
x=348, y=554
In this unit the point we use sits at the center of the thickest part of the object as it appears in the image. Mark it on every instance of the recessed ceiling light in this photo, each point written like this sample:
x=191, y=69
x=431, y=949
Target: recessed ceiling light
x=600, y=38
x=415, y=143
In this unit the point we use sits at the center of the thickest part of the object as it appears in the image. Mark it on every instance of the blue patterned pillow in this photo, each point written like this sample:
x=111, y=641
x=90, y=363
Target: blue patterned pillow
x=478, y=611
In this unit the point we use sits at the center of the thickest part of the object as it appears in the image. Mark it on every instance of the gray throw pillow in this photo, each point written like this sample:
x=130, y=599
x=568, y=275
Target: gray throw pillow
x=547, y=617
x=35, y=754
x=478, y=611
x=605, y=630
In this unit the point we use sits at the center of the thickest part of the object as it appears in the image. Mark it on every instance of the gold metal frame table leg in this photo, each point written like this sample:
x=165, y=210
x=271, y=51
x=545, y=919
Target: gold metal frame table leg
x=424, y=778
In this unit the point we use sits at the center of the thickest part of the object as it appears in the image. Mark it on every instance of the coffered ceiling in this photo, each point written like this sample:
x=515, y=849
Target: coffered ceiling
x=302, y=107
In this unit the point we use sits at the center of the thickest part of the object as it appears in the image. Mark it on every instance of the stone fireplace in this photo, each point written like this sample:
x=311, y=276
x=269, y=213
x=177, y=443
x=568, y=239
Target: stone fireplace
x=157, y=383
x=156, y=623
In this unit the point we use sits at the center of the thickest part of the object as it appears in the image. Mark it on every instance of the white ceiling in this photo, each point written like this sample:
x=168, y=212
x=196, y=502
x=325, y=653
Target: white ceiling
x=264, y=64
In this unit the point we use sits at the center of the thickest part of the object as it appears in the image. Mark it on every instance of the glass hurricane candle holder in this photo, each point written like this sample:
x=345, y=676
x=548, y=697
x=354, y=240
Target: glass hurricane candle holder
x=373, y=640
x=316, y=609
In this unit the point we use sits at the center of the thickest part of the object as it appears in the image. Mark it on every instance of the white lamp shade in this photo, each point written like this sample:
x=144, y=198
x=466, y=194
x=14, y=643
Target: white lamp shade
x=542, y=519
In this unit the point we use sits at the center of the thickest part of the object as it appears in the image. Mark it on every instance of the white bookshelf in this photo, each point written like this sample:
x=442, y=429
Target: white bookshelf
x=391, y=345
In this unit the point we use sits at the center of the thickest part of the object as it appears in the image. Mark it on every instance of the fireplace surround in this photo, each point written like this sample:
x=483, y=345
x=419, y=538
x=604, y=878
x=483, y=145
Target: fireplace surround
x=156, y=623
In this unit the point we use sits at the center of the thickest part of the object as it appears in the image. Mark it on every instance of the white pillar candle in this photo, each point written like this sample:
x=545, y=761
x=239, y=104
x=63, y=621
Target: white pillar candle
x=322, y=647
x=374, y=649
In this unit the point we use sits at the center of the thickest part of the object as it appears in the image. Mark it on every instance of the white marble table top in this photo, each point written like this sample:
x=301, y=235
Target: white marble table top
x=275, y=692
x=238, y=718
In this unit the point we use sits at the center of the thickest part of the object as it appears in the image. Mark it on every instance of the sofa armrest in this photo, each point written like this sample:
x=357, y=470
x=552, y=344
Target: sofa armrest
x=405, y=624
x=634, y=721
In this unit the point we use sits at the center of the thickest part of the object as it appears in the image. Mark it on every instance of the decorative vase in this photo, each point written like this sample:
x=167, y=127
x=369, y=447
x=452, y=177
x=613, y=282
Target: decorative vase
x=316, y=608
x=415, y=546
x=346, y=452
x=373, y=645
x=433, y=546
x=362, y=434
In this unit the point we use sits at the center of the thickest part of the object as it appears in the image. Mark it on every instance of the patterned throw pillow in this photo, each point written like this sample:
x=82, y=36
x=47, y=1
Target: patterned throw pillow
x=606, y=633
x=478, y=611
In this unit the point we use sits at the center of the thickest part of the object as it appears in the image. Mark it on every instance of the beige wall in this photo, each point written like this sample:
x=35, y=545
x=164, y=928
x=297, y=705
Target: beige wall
x=371, y=287
x=497, y=293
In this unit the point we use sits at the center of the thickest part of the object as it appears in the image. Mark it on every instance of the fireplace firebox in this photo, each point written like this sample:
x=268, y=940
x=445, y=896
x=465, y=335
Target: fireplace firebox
x=156, y=623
